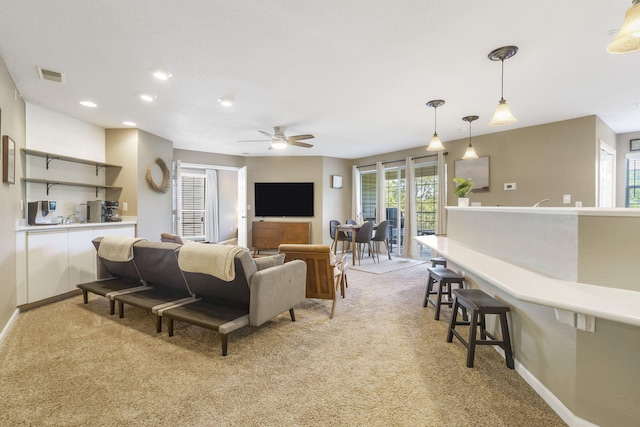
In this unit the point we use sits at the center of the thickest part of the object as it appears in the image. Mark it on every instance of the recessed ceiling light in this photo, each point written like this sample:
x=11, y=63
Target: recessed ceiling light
x=88, y=104
x=147, y=97
x=226, y=101
x=127, y=123
x=161, y=74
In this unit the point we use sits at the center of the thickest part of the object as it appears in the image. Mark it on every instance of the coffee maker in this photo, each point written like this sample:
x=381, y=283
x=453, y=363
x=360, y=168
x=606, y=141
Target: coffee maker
x=95, y=211
x=42, y=213
x=111, y=211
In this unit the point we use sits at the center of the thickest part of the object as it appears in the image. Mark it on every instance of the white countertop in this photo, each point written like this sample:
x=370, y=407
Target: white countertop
x=125, y=222
x=552, y=210
x=618, y=305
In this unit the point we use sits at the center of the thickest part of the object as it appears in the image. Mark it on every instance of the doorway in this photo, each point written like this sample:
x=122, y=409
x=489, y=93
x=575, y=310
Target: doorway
x=606, y=197
x=220, y=216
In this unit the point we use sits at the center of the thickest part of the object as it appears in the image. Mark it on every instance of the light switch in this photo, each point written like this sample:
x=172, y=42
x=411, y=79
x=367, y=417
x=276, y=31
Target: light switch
x=566, y=198
x=508, y=186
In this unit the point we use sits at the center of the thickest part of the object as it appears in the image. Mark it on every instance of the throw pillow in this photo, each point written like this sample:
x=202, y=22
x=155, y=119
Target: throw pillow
x=269, y=261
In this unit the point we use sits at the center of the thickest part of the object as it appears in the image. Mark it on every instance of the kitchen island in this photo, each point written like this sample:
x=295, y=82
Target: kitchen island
x=569, y=276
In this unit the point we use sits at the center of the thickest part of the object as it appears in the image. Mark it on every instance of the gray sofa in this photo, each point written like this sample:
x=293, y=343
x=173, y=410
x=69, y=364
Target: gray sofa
x=152, y=280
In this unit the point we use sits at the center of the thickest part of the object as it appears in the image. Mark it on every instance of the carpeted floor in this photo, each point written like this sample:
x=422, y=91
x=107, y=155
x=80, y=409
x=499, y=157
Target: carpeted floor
x=382, y=361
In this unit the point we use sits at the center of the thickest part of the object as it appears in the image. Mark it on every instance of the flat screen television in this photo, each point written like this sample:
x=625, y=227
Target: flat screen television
x=284, y=199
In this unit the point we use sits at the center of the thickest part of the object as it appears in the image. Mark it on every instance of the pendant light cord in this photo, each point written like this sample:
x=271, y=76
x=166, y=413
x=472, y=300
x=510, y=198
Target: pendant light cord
x=502, y=81
x=435, y=120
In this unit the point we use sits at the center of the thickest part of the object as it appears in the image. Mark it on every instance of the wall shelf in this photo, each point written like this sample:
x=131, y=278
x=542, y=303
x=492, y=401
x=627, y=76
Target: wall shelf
x=51, y=183
x=49, y=157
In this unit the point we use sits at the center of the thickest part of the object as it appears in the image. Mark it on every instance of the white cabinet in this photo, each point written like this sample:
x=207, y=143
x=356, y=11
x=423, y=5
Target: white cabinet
x=52, y=261
x=129, y=230
x=47, y=264
x=82, y=257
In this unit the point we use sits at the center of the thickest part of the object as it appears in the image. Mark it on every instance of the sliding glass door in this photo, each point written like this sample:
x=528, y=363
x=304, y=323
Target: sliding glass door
x=395, y=186
x=395, y=193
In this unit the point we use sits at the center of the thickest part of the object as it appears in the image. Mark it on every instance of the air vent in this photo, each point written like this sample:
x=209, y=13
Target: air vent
x=54, y=76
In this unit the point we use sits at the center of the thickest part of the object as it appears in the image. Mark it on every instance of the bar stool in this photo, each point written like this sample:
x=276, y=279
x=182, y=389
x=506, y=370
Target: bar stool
x=438, y=261
x=445, y=278
x=479, y=304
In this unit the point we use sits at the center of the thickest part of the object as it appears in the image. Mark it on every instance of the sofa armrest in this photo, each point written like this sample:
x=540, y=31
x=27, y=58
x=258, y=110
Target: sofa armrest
x=276, y=289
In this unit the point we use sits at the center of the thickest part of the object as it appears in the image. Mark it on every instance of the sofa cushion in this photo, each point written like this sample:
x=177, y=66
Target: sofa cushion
x=269, y=261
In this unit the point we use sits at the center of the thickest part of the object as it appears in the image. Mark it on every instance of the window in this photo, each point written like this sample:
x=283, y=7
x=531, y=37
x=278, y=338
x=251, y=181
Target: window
x=192, y=213
x=632, y=199
x=426, y=197
x=368, y=195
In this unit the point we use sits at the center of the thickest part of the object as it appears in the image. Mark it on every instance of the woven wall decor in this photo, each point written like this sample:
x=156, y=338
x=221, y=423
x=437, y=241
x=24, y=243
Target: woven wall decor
x=166, y=177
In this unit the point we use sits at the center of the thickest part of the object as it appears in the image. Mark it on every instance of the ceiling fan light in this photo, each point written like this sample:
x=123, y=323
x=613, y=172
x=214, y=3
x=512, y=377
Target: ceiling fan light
x=435, y=144
x=502, y=116
x=278, y=144
x=470, y=154
x=628, y=39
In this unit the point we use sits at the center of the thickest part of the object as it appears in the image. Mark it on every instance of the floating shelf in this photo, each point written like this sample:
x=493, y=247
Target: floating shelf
x=50, y=157
x=51, y=183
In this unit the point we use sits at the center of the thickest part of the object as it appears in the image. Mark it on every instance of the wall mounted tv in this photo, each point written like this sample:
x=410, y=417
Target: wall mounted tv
x=284, y=199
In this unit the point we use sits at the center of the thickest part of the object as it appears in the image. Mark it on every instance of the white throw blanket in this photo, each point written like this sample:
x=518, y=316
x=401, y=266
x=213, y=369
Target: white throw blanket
x=117, y=248
x=214, y=260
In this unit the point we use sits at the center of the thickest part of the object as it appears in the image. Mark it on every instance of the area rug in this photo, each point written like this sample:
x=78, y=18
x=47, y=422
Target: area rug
x=385, y=265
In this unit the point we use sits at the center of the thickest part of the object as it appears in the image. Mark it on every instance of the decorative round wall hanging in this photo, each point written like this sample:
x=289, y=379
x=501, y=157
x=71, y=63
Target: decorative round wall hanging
x=166, y=177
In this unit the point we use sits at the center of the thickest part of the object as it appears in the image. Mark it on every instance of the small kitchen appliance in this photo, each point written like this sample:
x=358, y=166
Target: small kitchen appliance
x=42, y=213
x=112, y=213
x=95, y=211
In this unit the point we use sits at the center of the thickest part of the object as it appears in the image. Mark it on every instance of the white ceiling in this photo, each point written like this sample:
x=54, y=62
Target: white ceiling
x=355, y=73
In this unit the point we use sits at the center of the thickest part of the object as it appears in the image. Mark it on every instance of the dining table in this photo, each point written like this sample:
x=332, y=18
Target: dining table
x=347, y=228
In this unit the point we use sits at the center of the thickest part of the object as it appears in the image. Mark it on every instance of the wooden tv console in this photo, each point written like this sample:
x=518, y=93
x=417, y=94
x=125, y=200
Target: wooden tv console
x=269, y=235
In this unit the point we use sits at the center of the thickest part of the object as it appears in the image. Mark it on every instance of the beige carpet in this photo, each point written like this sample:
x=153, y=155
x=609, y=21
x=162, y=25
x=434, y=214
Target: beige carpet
x=382, y=361
x=385, y=265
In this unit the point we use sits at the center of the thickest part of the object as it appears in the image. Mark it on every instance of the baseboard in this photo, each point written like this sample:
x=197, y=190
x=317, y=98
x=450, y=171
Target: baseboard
x=9, y=324
x=556, y=404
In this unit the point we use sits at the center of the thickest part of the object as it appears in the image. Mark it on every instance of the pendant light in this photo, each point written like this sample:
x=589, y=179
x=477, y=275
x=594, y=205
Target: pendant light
x=470, y=153
x=435, y=144
x=628, y=39
x=502, y=115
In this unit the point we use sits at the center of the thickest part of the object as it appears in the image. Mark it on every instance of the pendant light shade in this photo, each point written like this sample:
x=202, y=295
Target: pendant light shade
x=628, y=39
x=502, y=116
x=435, y=144
x=470, y=153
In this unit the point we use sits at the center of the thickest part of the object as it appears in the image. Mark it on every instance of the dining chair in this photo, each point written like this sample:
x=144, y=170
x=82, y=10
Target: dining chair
x=363, y=238
x=382, y=235
x=342, y=236
x=348, y=233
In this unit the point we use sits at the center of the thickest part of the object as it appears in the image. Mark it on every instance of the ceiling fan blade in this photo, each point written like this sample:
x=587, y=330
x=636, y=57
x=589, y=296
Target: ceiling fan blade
x=299, y=144
x=299, y=137
x=268, y=135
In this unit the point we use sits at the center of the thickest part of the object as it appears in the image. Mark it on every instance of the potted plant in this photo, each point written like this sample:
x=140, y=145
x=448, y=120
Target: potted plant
x=463, y=189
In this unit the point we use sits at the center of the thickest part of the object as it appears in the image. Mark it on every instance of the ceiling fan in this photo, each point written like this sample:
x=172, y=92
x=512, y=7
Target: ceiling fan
x=279, y=140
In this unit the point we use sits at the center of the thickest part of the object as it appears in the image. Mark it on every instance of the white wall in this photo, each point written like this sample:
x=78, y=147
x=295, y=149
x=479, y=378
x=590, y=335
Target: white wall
x=56, y=133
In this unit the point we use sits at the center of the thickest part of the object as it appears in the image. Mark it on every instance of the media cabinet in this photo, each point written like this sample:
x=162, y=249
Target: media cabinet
x=269, y=235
